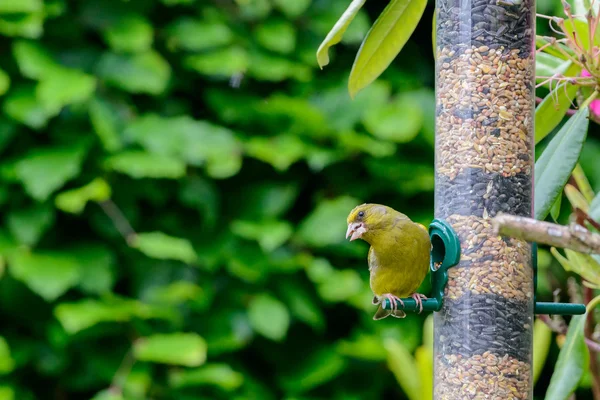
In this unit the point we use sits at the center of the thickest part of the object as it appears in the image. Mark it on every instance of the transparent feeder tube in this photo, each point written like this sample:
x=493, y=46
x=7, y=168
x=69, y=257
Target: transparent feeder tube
x=484, y=165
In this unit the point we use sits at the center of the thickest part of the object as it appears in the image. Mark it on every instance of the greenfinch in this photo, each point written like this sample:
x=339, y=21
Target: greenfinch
x=398, y=258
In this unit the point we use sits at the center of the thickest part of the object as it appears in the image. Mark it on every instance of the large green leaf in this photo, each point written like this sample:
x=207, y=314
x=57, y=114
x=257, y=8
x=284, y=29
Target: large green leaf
x=277, y=35
x=337, y=32
x=28, y=225
x=269, y=317
x=187, y=349
x=572, y=362
x=552, y=109
x=33, y=60
x=49, y=274
x=195, y=34
x=162, y=246
x=387, y=37
x=44, y=170
x=326, y=225
x=554, y=166
x=130, y=34
x=81, y=315
x=145, y=72
x=139, y=164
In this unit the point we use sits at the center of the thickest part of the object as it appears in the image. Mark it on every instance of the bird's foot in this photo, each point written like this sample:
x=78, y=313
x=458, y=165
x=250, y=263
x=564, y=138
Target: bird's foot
x=394, y=300
x=419, y=300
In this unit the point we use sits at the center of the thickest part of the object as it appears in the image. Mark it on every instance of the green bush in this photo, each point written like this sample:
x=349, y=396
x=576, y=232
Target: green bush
x=174, y=181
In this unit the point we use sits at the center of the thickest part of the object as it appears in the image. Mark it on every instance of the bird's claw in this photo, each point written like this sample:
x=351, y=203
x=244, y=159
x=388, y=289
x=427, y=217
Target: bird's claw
x=418, y=297
x=394, y=300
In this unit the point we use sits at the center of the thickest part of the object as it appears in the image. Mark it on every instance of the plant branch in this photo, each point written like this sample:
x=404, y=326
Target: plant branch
x=118, y=219
x=574, y=237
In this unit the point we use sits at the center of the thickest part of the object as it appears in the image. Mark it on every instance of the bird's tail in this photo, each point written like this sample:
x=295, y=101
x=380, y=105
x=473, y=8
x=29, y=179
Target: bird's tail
x=382, y=313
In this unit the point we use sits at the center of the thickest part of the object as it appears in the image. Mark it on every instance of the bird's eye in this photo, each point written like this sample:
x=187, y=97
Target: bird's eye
x=361, y=214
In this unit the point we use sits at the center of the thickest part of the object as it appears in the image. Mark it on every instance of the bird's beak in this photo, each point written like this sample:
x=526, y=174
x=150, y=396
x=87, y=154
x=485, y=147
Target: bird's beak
x=355, y=230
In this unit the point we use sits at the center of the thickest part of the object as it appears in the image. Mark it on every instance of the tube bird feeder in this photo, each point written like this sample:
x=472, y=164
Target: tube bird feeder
x=485, y=92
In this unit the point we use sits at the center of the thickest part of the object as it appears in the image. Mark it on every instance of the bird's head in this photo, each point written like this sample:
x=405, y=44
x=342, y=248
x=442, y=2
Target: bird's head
x=365, y=219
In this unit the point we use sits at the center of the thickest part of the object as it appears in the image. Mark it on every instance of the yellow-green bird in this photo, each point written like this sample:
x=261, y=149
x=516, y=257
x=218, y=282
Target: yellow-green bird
x=398, y=257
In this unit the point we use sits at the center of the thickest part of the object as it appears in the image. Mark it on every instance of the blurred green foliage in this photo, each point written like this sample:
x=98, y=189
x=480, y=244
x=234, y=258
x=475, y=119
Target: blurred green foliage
x=174, y=181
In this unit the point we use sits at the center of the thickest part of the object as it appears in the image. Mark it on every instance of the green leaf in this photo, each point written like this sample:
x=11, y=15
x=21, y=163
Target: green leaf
x=7, y=393
x=553, y=168
x=21, y=6
x=81, y=315
x=220, y=375
x=96, y=264
x=44, y=170
x=582, y=264
x=132, y=33
x=109, y=394
x=22, y=104
x=576, y=198
x=223, y=62
x=49, y=274
x=546, y=65
x=196, y=142
x=292, y=9
x=105, y=122
x=399, y=121
x=403, y=366
x=146, y=72
x=74, y=200
x=161, y=246
x=542, y=340
x=326, y=225
x=555, y=210
x=314, y=370
x=7, y=363
x=269, y=234
x=196, y=35
x=33, y=60
x=63, y=86
x=269, y=317
x=28, y=225
x=4, y=82
x=281, y=151
x=572, y=362
x=186, y=349
x=139, y=164
x=340, y=286
x=552, y=109
x=277, y=35
x=302, y=304
x=25, y=25
x=389, y=34
x=337, y=32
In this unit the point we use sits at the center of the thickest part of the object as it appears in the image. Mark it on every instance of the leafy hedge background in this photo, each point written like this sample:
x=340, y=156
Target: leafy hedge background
x=174, y=181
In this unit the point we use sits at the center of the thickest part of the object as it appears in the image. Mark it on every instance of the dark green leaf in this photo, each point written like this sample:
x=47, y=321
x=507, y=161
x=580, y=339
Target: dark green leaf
x=554, y=166
x=314, y=370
